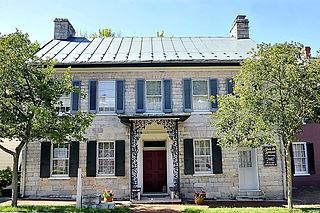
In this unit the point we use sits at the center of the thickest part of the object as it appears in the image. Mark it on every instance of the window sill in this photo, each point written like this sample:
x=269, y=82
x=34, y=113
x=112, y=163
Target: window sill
x=297, y=175
x=105, y=177
x=201, y=113
x=203, y=175
x=59, y=178
x=106, y=114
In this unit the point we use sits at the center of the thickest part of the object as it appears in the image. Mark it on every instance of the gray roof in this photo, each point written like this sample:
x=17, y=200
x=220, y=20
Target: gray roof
x=132, y=50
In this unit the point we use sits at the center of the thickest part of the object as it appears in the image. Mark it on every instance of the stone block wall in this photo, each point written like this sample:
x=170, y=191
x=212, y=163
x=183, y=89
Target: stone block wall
x=109, y=128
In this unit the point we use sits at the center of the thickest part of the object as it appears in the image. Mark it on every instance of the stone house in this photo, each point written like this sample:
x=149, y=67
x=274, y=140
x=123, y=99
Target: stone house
x=152, y=133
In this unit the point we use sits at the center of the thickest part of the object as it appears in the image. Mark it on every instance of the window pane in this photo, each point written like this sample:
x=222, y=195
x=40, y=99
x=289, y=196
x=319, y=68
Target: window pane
x=202, y=150
x=200, y=87
x=106, y=96
x=153, y=87
x=154, y=103
x=106, y=158
x=64, y=104
x=299, y=157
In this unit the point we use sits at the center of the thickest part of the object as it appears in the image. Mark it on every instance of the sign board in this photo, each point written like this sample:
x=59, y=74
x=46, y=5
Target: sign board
x=270, y=156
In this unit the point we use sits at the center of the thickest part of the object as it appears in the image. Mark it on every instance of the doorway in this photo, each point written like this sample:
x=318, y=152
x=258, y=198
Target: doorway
x=154, y=167
x=248, y=171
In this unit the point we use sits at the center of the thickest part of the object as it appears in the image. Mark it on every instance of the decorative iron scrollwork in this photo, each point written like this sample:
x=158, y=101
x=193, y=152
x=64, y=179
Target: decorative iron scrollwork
x=136, y=128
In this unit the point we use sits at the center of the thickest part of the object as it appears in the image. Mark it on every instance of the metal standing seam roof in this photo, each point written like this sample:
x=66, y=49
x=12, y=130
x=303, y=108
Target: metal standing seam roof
x=121, y=50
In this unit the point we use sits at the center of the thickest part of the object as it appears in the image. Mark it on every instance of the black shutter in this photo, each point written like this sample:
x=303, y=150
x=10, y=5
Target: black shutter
x=140, y=96
x=167, y=85
x=120, y=96
x=188, y=157
x=45, y=159
x=120, y=158
x=93, y=96
x=91, y=158
x=213, y=84
x=187, y=96
x=216, y=156
x=74, y=159
x=230, y=85
x=310, y=153
x=75, y=97
x=292, y=158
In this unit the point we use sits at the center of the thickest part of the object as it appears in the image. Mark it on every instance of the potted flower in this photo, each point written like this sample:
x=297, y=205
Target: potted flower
x=199, y=195
x=107, y=195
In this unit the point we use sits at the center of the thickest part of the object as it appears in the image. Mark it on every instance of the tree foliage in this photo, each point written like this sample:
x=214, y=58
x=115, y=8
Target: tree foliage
x=29, y=93
x=276, y=90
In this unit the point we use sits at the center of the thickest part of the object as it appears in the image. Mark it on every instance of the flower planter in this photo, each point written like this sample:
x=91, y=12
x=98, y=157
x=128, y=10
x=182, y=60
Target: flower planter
x=108, y=199
x=199, y=200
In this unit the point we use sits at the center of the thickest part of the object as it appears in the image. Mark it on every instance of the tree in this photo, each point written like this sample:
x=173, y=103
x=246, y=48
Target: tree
x=160, y=34
x=276, y=90
x=102, y=33
x=29, y=93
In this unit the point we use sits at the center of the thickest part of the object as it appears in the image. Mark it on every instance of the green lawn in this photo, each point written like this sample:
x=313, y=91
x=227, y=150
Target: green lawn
x=63, y=209
x=248, y=210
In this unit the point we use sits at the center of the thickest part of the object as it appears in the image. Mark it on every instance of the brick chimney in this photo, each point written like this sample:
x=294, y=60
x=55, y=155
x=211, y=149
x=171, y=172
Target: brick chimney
x=63, y=29
x=307, y=52
x=240, y=28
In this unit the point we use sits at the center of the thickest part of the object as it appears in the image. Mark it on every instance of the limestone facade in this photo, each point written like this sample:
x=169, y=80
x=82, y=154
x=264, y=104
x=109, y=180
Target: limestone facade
x=107, y=127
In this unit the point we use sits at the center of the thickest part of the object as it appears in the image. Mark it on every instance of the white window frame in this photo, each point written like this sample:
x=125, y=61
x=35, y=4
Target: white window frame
x=193, y=96
x=99, y=96
x=194, y=156
x=154, y=96
x=108, y=158
x=59, y=106
x=53, y=159
x=306, y=172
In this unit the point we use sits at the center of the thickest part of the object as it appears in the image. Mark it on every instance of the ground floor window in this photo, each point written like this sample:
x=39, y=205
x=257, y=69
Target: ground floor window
x=106, y=158
x=202, y=156
x=300, y=157
x=60, y=159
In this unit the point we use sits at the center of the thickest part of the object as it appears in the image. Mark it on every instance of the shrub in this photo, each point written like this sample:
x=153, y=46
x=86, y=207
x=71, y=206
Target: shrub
x=5, y=177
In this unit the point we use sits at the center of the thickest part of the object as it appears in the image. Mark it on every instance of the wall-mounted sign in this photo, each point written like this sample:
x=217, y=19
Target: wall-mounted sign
x=270, y=156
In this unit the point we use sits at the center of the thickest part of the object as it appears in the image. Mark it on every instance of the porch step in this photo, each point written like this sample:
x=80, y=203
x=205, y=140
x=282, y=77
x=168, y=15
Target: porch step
x=156, y=198
x=251, y=195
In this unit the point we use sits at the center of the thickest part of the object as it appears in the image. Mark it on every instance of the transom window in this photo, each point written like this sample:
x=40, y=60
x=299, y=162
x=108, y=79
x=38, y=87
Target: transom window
x=60, y=159
x=200, y=95
x=106, y=161
x=64, y=104
x=202, y=156
x=154, y=96
x=107, y=96
x=300, y=157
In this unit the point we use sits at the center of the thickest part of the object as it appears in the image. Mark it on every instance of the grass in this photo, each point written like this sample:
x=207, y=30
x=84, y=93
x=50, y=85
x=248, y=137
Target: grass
x=249, y=210
x=63, y=209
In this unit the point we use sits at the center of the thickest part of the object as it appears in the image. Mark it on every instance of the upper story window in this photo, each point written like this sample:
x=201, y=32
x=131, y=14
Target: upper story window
x=60, y=159
x=153, y=96
x=106, y=94
x=300, y=157
x=64, y=104
x=202, y=156
x=200, y=95
x=106, y=158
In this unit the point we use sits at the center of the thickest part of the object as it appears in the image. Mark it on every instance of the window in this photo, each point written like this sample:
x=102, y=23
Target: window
x=106, y=160
x=64, y=104
x=200, y=95
x=60, y=159
x=154, y=96
x=245, y=159
x=202, y=156
x=300, y=157
x=106, y=96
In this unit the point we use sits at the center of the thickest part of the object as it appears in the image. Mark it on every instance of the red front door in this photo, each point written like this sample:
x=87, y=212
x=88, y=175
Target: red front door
x=154, y=171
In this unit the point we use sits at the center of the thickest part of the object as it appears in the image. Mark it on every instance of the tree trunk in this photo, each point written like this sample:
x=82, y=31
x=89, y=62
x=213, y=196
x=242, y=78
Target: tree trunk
x=14, y=202
x=289, y=177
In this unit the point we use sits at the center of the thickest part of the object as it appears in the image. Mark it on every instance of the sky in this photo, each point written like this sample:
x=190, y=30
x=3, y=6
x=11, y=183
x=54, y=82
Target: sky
x=271, y=21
